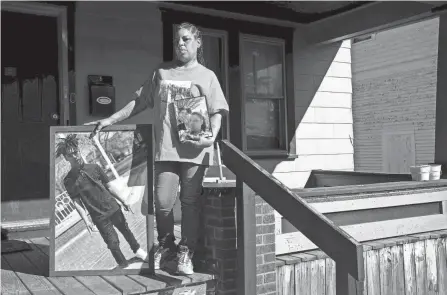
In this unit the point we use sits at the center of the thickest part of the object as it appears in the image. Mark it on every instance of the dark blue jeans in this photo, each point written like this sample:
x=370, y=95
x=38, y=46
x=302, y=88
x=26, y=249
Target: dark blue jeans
x=106, y=228
x=168, y=176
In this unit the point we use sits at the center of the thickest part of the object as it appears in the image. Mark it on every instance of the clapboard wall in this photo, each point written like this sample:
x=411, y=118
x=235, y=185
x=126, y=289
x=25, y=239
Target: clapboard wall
x=323, y=116
x=123, y=40
x=400, y=266
x=394, y=89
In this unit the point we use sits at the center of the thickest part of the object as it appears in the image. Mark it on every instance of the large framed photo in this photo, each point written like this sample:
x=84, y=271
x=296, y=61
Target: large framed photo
x=101, y=197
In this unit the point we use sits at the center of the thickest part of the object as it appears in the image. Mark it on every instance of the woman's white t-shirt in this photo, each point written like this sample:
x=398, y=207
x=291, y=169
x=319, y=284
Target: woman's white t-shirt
x=198, y=81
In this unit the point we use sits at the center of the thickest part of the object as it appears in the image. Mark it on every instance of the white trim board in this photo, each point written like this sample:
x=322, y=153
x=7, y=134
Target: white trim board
x=296, y=241
x=379, y=202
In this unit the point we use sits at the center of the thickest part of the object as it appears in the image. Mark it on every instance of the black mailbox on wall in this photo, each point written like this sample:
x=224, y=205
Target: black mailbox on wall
x=102, y=95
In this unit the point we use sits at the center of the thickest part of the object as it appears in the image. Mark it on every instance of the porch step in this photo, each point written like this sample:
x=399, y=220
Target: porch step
x=162, y=283
x=169, y=283
x=28, y=271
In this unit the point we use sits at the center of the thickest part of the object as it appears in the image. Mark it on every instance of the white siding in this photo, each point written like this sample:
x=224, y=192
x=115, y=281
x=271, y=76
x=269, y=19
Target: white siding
x=394, y=89
x=120, y=40
x=323, y=115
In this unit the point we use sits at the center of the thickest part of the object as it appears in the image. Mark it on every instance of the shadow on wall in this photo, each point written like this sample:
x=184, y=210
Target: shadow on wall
x=312, y=64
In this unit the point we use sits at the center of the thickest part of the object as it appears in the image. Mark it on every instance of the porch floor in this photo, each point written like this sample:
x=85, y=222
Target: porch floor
x=26, y=272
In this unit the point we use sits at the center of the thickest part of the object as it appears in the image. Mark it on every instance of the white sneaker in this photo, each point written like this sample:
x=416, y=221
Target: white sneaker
x=184, y=258
x=142, y=255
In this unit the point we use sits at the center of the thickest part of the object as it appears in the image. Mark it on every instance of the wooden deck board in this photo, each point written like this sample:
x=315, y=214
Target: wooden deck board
x=98, y=285
x=29, y=271
x=29, y=274
x=150, y=282
x=200, y=277
x=168, y=275
x=11, y=283
x=125, y=284
x=68, y=285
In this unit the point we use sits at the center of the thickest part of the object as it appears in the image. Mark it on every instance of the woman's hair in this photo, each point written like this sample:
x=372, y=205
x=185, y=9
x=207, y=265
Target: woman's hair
x=203, y=127
x=198, y=35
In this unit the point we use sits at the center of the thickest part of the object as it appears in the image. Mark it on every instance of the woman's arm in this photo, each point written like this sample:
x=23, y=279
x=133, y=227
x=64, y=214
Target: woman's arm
x=128, y=111
x=144, y=99
x=216, y=124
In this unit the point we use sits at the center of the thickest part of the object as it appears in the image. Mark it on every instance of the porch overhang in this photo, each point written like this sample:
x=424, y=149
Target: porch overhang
x=321, y=22
x=370, y=18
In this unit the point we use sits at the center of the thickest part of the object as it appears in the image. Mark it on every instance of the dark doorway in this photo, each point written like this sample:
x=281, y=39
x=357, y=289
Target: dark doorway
x=30, y=105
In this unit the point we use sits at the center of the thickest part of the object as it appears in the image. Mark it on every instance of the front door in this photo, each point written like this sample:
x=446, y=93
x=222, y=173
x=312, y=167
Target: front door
x=30, y=105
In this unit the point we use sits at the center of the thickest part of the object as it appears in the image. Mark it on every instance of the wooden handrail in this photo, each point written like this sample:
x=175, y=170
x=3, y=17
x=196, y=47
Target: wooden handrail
x=336, y=243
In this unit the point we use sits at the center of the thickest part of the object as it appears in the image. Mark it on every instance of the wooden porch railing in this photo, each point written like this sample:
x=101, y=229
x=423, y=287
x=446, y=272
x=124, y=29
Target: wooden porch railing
x=336, y=243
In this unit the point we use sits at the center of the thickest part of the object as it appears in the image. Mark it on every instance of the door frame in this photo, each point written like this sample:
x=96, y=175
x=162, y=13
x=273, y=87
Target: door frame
x=224, y=35
x=60, y=13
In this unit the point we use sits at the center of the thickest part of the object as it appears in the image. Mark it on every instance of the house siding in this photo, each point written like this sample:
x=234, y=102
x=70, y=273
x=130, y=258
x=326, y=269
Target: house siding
x=394, y=89
x=323, y=116
x=120, y=40
x=125, y=42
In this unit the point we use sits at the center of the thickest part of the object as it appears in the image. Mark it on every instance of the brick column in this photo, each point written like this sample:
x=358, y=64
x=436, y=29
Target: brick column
x=219, y=239
x=265, y=248
x=219, y=218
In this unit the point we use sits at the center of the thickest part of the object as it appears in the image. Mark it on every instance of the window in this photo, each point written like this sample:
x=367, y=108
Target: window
x=264, y=94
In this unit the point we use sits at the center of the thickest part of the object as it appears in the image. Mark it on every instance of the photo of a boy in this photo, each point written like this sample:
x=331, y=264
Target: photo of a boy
x=87, y=186
x=197, y=126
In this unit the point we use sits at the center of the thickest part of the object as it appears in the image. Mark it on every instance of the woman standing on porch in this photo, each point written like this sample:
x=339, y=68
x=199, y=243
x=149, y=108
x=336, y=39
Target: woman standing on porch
x=175, y=162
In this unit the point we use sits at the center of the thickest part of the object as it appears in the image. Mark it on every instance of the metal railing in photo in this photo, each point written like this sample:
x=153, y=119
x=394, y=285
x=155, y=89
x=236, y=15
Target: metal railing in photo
x=66, y=215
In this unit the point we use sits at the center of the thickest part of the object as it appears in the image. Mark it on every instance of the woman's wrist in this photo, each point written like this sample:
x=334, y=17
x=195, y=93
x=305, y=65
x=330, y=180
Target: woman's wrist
x=114, y=119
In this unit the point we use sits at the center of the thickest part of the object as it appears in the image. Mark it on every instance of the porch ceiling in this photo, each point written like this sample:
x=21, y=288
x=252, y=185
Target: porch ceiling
x=314, y=7
x=300, y=12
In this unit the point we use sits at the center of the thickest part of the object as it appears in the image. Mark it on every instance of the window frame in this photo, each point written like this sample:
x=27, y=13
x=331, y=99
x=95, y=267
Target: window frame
x=283, y=108
x=225, y=131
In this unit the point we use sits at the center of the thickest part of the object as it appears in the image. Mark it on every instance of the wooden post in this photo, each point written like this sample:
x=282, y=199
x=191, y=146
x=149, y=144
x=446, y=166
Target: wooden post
x=246, y=240
x=219, y=162
x=345, y=284
x=146, y=132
